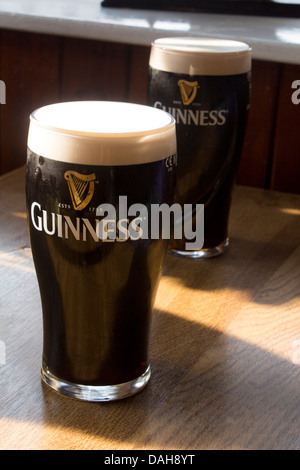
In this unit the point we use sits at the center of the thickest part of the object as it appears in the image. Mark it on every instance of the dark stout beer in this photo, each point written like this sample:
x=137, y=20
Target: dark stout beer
x=204, y=84
x=97, y=274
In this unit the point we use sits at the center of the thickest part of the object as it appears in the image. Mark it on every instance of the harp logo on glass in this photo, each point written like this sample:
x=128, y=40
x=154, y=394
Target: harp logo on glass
x=188, y=91
x=81, y=188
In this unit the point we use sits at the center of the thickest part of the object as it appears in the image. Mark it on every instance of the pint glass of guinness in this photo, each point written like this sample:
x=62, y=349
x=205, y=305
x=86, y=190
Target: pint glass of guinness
x=205, y=85
x=93, y=171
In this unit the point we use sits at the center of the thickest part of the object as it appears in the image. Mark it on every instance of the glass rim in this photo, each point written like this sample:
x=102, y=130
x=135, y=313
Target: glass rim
x=91, y=134
x=200, y=56
x=192, y=45
x=144, y=135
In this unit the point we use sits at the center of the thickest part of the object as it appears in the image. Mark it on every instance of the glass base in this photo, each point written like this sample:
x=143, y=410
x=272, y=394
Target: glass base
x=204, y=252
x=92, y=392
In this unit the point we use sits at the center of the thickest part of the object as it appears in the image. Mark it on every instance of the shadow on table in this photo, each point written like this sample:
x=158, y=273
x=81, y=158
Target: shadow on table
x=268, y=273
x=208, y=390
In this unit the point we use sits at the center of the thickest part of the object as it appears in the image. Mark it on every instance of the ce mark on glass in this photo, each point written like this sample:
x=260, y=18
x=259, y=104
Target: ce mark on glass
x=171, y=161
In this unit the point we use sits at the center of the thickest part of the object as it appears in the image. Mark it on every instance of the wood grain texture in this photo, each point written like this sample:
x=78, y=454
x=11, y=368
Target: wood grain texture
x=138, y=74
x=40, y=69
x=285, y=174
x=225, y=349
x=256, y=158
x=93, y=70
x=29, y=66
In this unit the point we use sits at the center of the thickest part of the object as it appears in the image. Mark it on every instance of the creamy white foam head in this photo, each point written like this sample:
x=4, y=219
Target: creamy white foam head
x=200, y=56
x=102, y=133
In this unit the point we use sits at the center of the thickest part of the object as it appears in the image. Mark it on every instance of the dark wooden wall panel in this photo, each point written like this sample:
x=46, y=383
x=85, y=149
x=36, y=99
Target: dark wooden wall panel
x=29, y=66
x=258, y=146
x=285, y=175
x=138, y=74
x=93, y=70
x=41, y=69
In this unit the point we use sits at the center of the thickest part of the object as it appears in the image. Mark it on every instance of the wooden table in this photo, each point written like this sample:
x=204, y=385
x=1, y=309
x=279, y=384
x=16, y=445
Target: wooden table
x=225, y=346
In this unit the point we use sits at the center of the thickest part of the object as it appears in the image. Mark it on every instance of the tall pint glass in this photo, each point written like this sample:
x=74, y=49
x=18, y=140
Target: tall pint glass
x=93, y=171
x=205, y=84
